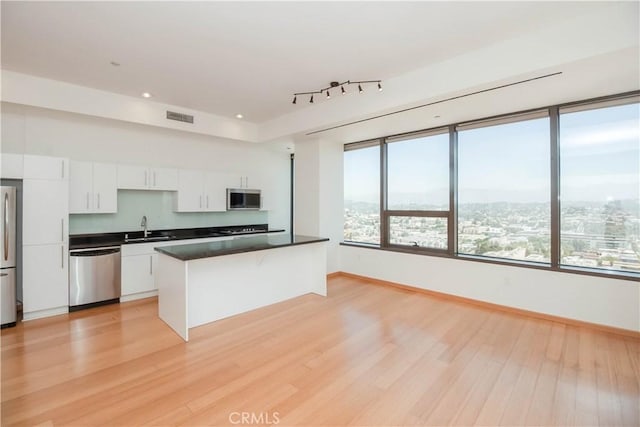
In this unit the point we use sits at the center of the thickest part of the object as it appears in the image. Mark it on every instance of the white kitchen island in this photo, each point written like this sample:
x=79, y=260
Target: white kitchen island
x=203, y=282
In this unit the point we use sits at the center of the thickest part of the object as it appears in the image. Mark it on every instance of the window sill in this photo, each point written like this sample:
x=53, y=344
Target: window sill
x=513, y=263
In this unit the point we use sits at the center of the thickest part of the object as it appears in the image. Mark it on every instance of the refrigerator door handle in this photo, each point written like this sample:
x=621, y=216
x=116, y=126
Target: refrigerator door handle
x=6, y=226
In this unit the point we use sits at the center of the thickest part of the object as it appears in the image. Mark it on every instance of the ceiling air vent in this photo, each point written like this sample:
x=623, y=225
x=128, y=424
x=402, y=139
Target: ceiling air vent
x=172, y=115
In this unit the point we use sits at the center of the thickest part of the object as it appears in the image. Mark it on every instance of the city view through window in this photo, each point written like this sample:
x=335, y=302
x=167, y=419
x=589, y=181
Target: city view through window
x=362, y=195
x=600, y=188
x=504, y=190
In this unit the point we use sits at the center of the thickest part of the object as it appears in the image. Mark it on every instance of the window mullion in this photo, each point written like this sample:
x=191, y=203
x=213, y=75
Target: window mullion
x=384, y=217
x=453, y=192
x=554, y=123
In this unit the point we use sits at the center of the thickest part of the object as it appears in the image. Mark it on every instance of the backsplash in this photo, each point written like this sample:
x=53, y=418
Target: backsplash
x=158, y=207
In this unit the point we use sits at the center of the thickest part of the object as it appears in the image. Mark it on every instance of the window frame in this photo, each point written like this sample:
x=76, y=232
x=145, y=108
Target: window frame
x=375, y=142
x=553, y=112
x=386, y=214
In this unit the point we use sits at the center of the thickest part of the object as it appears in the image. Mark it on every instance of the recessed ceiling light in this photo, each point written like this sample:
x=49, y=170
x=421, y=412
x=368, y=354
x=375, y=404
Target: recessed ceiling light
x=115, y=64
x=239, y=116
x=146, y=95
x=436, y=117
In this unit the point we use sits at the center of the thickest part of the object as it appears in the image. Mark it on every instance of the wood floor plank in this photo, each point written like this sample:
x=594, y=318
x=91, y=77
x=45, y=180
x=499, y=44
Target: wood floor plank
x=365, y=355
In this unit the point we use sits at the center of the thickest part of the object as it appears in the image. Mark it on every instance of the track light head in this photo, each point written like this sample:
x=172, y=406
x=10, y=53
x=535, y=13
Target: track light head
x=379, y=87
x=311, y=100
x=360, y=88
x=342, y=90
x=328, y=95
x=295, y=98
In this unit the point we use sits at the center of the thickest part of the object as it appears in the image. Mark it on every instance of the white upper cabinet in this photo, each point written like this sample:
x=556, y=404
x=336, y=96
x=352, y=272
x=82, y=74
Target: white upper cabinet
x=147, y=178
x=105, y=188
x=92, y=188
x=200, y=191
x=12, y=166
x=42, y=167
x=242, y=181
x=190, y=194
x=215, y=190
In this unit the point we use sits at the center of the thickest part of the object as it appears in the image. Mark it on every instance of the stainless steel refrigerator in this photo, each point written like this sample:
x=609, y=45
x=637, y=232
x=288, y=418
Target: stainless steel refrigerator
x=8, y=257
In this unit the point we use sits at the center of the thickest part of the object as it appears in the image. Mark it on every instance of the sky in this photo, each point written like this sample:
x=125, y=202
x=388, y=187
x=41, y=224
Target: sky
x=600, y=161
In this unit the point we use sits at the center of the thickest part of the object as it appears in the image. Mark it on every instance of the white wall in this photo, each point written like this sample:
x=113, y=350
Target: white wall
x=611, y=302
x=30, y=130
x=319, y=194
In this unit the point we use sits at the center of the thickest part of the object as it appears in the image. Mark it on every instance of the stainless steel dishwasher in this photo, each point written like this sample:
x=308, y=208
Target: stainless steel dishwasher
x=94, y=277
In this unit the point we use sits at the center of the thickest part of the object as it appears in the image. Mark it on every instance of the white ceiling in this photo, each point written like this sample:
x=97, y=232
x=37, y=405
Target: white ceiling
x=226, y=58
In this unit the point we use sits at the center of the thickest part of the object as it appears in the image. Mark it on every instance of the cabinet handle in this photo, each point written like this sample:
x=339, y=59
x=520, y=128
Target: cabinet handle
x=145, y=177
x=154, y=178
x=200, y=201
x=6, y=226
x=150, y=264
x=207, y=200
x=98, y=200
x=87, y=200
x=62, y=174
x=62, y=229
x=62, y=257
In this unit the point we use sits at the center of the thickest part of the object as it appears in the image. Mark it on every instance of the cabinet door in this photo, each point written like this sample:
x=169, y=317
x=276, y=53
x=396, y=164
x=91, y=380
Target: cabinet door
x=105, y=190
x=163, y=179
x=189, y=197
x=133, y=177
x=80, y=187
x=45, y=211
x=43, y=167
x=137, y=273
x=237, y=181
x=12, y=166
x=45, y=277
x=215, y=190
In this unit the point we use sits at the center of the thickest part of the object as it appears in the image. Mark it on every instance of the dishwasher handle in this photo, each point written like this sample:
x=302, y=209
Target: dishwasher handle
x=94, y=252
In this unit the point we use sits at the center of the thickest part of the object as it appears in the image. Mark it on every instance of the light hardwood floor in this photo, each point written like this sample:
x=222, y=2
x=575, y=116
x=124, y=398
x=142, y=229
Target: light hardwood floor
x=365, y=355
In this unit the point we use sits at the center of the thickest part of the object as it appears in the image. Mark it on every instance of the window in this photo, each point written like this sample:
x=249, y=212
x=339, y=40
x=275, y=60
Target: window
x=362, y=193
x=600, y=187
x=557, y=188
x=418, y=231
x=504, y=191
x=418, y=190
x=418, y=173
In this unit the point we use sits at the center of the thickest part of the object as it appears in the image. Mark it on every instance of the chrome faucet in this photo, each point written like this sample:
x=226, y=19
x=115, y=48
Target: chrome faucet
x=143, y=224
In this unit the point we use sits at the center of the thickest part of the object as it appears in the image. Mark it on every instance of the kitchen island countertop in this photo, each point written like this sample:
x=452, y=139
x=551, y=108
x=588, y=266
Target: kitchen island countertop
x=187, y=252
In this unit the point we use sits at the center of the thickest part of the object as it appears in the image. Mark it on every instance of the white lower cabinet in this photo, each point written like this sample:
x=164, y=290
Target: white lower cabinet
x=46, y=278
x=139, y=263
x=137, y=273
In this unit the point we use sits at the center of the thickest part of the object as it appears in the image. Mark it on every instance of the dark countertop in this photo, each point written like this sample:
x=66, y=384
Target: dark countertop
x=96, y=240
x=193, y=251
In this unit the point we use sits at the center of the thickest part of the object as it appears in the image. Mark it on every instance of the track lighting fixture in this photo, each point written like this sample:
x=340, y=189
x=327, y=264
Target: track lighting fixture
x=325, y=90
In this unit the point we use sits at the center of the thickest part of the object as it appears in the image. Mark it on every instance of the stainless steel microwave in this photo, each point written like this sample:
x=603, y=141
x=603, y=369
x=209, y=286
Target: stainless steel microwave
x=242, y=199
